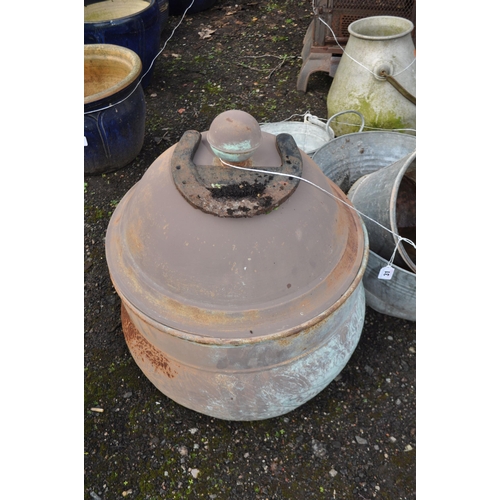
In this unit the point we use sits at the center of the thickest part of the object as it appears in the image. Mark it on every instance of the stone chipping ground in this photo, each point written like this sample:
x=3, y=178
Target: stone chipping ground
x=354, y=440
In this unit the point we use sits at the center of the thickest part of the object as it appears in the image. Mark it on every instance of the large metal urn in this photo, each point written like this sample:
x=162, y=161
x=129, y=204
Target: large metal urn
x=241, y=288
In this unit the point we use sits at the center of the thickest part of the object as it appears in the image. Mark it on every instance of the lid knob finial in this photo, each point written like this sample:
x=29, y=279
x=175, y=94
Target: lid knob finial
x=234, y=136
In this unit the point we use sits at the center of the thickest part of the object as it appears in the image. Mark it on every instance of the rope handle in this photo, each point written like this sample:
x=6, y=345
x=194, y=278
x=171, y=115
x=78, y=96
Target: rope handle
x=314, y=120
x=399, y=87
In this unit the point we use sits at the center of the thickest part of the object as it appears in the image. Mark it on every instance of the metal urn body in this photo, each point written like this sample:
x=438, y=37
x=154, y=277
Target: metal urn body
x=242, y=292
x=380, y=51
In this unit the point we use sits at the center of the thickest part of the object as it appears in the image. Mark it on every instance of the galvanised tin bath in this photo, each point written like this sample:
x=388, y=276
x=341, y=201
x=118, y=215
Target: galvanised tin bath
x=242, y=294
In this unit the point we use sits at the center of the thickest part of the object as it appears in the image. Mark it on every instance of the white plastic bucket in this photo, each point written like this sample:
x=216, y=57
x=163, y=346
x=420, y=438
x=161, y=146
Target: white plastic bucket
x=311, y=134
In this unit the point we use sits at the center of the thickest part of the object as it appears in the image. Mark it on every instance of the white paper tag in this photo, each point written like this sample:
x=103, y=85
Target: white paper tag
x=386, y=273
x=85, y=143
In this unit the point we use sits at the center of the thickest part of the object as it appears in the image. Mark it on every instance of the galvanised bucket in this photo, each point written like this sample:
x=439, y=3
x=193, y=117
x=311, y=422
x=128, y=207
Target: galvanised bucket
x=345, y=160
x=395, y=297
x=388, y=198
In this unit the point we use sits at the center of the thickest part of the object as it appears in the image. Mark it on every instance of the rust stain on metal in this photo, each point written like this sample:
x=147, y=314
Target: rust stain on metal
x=226, y=192
x=285, y=341
x=136, y=245
x=207, y=317
x=139, y=346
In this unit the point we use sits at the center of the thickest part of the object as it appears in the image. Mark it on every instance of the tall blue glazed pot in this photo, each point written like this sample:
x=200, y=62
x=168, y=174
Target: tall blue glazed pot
x=139, y=31
x=164, y=6
x=114, y=108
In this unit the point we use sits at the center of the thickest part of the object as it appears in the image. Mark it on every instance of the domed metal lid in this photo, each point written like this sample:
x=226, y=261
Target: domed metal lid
x=204, y=274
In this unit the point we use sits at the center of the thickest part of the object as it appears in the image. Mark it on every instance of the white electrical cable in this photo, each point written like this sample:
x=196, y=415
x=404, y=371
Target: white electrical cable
x=399, y=238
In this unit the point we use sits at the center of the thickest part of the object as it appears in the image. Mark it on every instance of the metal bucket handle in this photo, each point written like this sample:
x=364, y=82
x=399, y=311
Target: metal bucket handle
x=343, y=113
x=314, y=120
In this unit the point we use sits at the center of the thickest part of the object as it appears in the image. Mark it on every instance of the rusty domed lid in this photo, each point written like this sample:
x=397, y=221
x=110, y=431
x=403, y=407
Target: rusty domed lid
x=200, y=250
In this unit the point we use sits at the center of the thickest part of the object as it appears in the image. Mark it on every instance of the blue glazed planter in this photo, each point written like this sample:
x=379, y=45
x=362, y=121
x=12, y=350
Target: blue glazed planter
x=123, y=23
x=114, y=130
x=177, y=7
x=164, y=11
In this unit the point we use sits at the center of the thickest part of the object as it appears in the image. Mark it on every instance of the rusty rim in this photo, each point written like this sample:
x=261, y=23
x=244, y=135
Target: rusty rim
x=279, y=335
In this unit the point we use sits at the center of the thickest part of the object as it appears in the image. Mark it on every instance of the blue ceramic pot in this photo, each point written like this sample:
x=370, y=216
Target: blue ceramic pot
x=164, y=11
x=114, y=108
x=124, y=23
x=177, y=7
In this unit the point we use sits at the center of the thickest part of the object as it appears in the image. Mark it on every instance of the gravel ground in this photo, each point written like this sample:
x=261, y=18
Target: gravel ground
x=354, y=440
